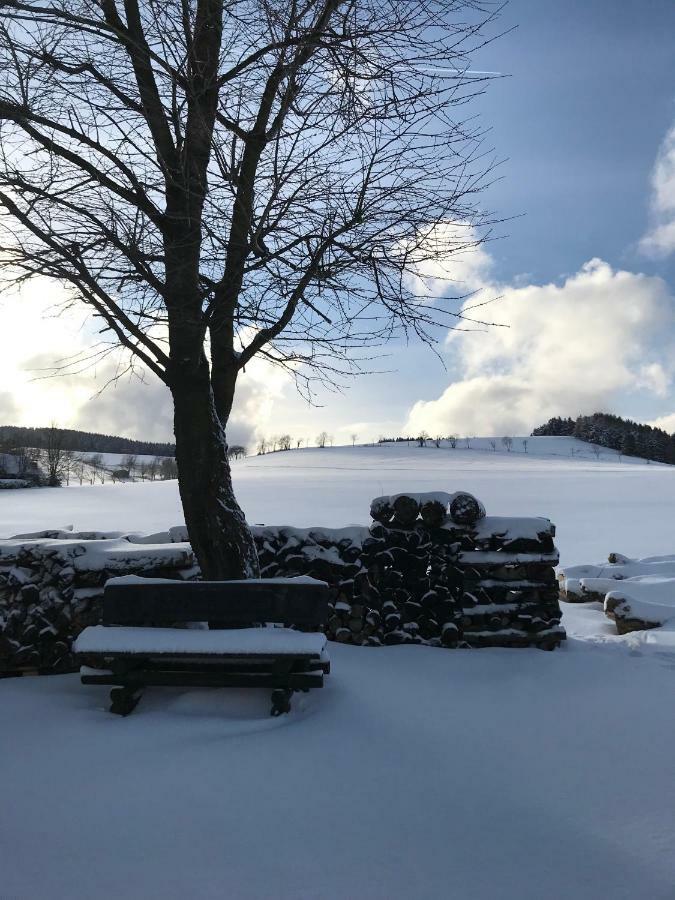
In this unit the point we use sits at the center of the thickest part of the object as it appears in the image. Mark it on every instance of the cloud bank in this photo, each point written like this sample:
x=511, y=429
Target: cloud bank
x=572, y=348
x=659, y=241
x=33, y=340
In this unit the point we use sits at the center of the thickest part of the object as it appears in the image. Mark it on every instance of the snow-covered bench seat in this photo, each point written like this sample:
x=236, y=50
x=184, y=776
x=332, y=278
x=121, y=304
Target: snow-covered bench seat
x=139, y=643
x=166, y=641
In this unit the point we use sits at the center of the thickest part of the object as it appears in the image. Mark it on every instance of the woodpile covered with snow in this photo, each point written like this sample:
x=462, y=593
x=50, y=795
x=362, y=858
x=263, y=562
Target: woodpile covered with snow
x=51, y=585
x=432, y=569
x=636, y=594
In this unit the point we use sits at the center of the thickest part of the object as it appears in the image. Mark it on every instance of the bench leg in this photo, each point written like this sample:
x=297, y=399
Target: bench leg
x=124, y=700
x=281, y=701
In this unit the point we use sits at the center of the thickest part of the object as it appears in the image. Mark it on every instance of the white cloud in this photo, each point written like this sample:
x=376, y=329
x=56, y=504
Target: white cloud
x=33, y=339
x=660, y=238
x=577, y=347
x=667, y=423
x=143, y=408
x=449, y=262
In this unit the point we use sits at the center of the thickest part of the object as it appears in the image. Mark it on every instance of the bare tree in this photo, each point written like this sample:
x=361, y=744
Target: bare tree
x=524, y=443
x=508, y=443
x=95, y=463
x=54, y=455
x=168, y=469
x=236, y=451
x=452, y=440
x=298, y=443
x=130, y=463
x=262, y=446
x=354, y=438
x=78, y=469
x=153, y=467
x=422, y=438
x=241, y=179
x=285, y=442
x=67, y=464
x=493, y=444
x=322, y=439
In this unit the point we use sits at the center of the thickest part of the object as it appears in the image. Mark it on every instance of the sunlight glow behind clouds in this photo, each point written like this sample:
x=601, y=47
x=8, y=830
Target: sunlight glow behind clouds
x=35, y=336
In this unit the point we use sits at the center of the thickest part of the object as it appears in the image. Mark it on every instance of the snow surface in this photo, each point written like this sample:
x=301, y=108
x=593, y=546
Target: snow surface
x=415, y=773
x=244, y=641
x=597, y=505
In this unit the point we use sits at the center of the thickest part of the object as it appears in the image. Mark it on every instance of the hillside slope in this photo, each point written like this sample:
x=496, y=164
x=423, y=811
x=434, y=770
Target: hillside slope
x=599, y=505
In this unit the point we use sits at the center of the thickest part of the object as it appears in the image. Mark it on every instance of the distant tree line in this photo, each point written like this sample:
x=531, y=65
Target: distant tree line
x=622, y=435
x=82, y=441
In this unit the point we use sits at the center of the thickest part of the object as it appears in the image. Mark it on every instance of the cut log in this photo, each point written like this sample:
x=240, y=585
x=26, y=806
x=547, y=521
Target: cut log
x=465, y=509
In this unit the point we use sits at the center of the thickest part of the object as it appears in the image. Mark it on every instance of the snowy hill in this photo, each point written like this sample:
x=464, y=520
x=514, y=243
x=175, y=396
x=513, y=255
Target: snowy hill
x=599, y=505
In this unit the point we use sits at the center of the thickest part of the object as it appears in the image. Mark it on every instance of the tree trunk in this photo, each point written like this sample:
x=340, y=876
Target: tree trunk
x=218, y=532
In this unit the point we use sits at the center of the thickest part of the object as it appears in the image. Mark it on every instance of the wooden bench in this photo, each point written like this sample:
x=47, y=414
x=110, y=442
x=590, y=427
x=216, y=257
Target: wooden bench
x=139, y=643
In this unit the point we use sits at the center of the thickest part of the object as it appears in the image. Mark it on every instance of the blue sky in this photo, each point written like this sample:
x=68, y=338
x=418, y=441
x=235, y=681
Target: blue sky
x=589, y=95
x=586, y=102
x=580, y=120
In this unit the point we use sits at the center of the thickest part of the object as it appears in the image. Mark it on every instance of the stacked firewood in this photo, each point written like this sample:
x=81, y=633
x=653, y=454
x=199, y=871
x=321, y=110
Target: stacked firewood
x=495, y=575
x=51, y=587
x=432, y=569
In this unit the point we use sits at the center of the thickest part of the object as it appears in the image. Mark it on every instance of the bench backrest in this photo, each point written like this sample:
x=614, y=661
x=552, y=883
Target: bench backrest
x=232, y=603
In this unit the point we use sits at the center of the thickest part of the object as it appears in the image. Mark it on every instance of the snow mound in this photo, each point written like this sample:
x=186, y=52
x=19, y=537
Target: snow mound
x=635, y=593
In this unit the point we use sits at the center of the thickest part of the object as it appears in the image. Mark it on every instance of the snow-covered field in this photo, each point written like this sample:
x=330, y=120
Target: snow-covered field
x=599, y=505
x=415, y=773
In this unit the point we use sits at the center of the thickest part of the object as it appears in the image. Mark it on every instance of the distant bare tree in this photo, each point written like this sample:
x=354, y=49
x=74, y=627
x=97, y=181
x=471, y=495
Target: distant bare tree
x=322, y=439
x=130, y=462
x=452, y=440
x=95, y=463
x=354, y=438
x=168, y=468
x=78, y=469
x=220, y=181
x=54, y=456
x=285, y=441
x=525, y=442
x=262, y=446
x=493, y=444
x=298, y=443
x=153, y=467
x=68, y=464
x=468, y=443
x=508, y=443
x=236, y=451
x=422, y=438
